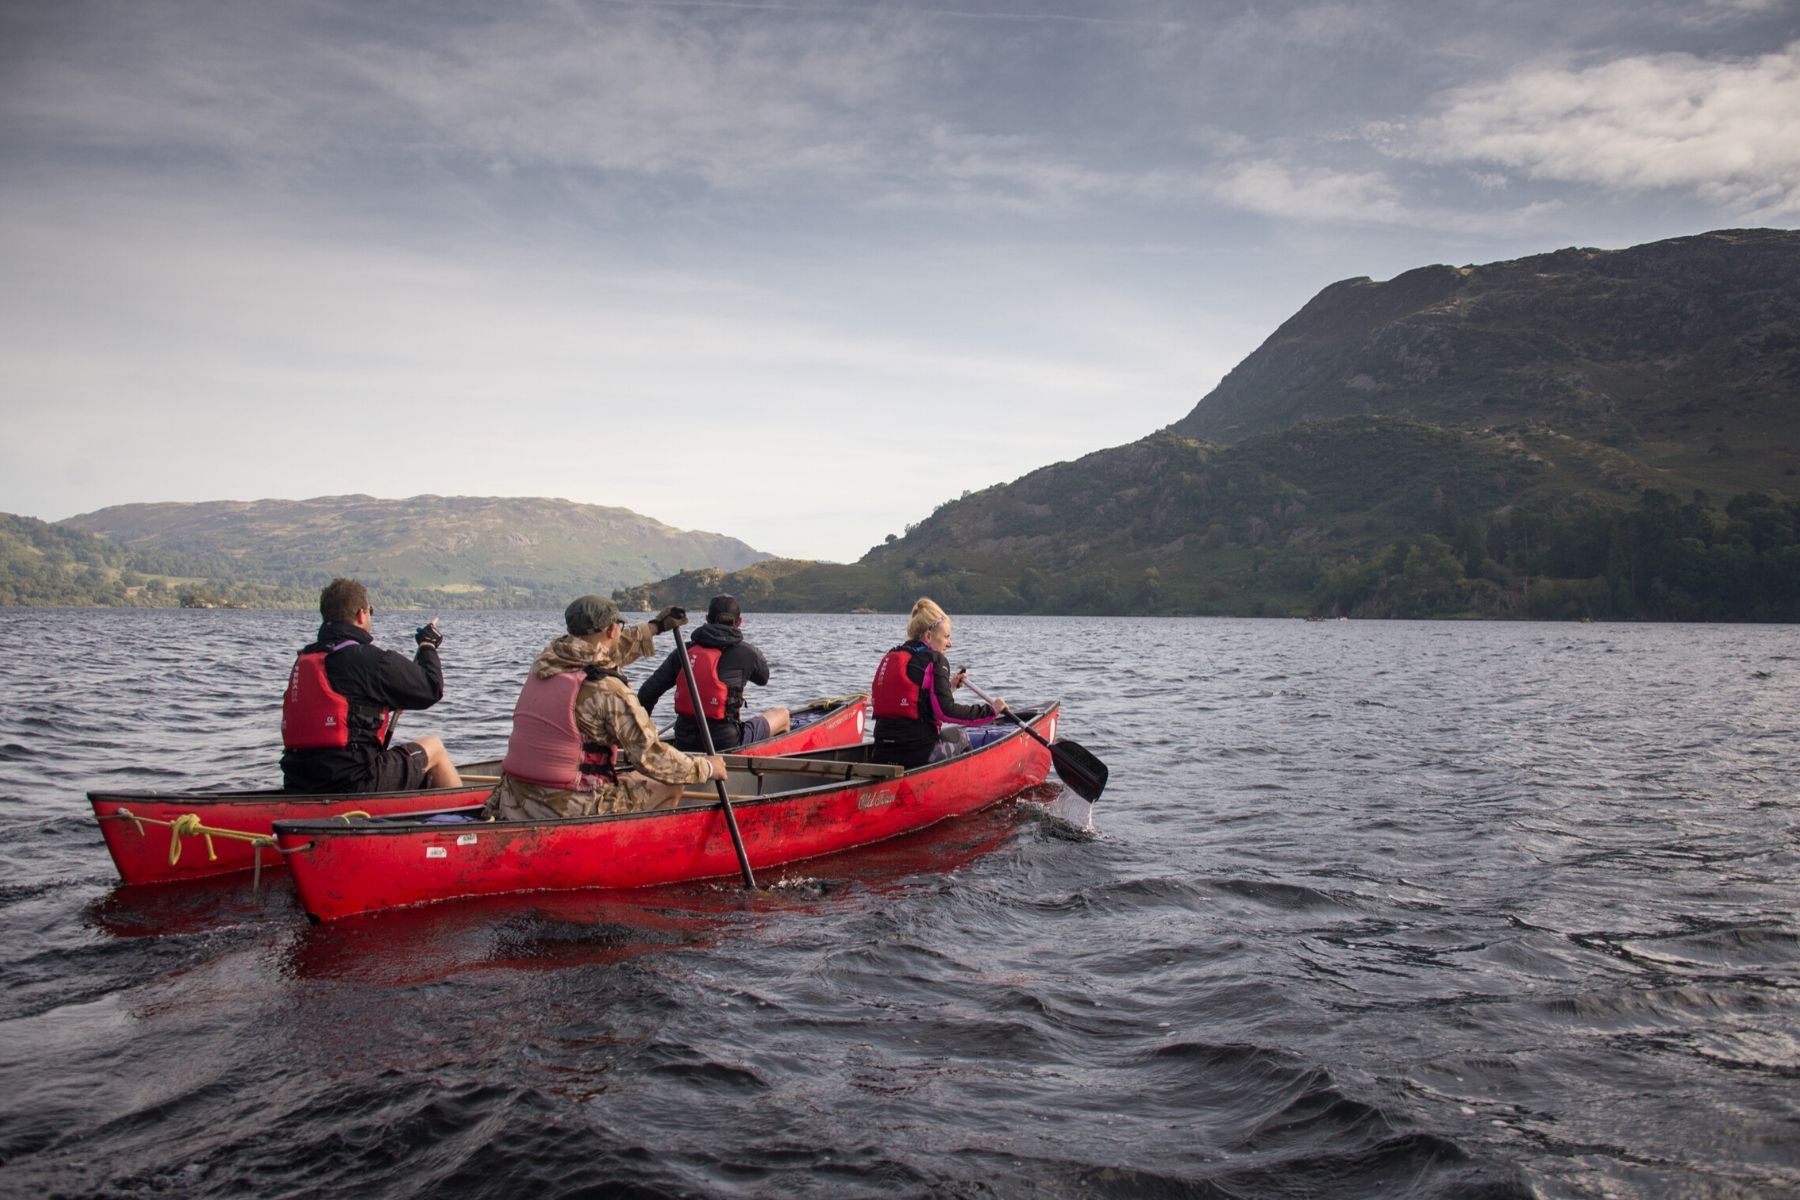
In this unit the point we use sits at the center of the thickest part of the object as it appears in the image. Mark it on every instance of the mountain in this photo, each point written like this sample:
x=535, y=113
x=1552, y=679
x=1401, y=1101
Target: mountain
x=428, y=550
x=1621, y=347
x=1582, y=433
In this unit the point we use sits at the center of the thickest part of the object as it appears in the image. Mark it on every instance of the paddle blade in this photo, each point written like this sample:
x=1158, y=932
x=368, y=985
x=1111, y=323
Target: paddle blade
x=1079, y=770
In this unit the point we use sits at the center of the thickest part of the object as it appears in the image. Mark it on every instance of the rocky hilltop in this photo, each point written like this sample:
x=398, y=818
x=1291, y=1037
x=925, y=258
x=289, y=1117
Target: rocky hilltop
x=1623, y=347
x=1582, y=433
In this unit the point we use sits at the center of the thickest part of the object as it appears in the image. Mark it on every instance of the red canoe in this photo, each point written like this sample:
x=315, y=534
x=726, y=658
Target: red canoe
x=788, y=809
x=157, y=837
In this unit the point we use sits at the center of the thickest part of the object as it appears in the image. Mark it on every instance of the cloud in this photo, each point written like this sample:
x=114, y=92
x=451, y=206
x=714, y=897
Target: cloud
x=732, y=101
x=1278, y=189
x=1722, y=129
x=1746, y=6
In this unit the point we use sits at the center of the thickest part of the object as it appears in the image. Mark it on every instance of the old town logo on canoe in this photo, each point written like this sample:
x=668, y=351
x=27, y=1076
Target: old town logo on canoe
x=875, y=799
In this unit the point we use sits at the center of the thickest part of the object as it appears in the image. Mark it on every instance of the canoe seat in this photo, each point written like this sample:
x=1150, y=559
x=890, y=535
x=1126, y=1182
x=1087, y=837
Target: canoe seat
x=825, y=767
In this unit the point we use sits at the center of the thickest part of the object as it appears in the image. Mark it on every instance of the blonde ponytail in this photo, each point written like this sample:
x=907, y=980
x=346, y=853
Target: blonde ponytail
x=926, y=616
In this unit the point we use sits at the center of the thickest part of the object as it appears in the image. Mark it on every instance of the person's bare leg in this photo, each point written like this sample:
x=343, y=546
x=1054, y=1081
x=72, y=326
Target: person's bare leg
x=777, y=719
x=439, y=770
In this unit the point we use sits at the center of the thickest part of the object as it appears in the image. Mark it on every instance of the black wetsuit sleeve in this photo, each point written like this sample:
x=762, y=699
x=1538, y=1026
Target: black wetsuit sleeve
x=386, y=678
x=946, y=696
x=411, y=684
x=660, y=681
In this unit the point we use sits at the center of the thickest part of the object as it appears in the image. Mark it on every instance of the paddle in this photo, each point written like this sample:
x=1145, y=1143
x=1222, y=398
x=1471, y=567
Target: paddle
x=693, y=690
x=1084, y=774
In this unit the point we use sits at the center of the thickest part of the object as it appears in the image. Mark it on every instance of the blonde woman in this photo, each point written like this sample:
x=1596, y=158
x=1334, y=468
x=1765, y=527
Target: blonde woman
x=917, y=718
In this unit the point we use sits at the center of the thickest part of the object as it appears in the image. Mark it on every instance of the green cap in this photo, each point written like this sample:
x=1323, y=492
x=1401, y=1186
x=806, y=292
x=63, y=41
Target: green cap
x=590, y=614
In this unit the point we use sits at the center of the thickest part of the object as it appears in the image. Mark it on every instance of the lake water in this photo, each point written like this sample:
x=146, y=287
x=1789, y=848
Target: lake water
x=1367, y=910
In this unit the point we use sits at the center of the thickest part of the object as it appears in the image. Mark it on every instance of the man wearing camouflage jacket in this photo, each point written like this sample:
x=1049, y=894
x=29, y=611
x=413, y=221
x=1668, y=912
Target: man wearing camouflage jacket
x=642, y=772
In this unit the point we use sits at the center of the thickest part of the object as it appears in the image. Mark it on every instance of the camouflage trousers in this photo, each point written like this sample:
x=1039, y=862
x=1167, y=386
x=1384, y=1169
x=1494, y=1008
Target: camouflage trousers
x=516, y=800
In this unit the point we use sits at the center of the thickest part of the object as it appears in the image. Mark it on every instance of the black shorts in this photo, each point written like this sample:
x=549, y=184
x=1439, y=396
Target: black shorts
x=399, y=769
x=754, y=729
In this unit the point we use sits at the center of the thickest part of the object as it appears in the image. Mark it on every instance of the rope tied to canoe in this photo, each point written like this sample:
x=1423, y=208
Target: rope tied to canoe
x=187, y=825
x=190, y=825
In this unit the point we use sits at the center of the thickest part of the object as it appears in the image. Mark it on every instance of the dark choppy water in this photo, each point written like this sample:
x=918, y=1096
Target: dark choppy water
x=1372, y=909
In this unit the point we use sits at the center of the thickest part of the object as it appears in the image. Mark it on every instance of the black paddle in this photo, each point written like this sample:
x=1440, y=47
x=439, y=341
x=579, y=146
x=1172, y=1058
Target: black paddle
x=1084, y=774
x=693, y=690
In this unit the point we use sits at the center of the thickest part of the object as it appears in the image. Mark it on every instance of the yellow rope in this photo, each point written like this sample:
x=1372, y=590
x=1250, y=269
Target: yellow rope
x=188, y=825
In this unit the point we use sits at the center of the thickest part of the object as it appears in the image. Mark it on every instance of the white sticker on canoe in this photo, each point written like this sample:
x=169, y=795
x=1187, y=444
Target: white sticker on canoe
x=466, y=839
x=874, y=799
x=436, y=852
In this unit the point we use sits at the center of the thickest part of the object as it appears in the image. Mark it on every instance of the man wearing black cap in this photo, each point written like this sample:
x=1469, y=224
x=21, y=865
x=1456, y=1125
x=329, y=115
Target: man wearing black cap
x=723, y=664
x=581, y=744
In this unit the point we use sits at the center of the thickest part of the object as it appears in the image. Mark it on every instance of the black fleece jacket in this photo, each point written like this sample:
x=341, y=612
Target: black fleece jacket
x=740, y=663
x=371, y=679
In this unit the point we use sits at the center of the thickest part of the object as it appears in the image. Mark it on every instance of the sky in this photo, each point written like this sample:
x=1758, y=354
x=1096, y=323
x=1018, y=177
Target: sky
x=796, y=271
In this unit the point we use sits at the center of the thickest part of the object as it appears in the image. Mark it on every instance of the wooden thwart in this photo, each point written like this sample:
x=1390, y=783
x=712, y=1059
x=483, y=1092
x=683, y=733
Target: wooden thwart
x=812, y=766
x=781, y=766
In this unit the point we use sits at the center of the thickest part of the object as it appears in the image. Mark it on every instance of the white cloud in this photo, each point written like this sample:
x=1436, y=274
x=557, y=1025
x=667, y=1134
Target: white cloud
x=1724, y=129
x=1749, y=6
x=1279, y=189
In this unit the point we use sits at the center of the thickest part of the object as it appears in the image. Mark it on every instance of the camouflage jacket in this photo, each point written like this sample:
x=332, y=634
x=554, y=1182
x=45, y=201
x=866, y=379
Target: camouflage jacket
x=606, y=711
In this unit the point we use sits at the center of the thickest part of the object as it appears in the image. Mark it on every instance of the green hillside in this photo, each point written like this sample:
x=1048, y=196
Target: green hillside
x=1585, y=433
x=426, y=551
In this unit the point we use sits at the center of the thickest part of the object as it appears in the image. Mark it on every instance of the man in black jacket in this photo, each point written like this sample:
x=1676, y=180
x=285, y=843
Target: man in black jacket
x=723, y=664
x=343, y=697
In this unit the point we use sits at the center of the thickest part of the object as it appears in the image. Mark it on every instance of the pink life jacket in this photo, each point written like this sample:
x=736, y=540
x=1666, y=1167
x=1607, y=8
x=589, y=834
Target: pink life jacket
x=546, y=746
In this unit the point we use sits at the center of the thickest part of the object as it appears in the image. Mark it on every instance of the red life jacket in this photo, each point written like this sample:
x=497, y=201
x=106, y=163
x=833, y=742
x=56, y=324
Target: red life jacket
x=316, y=716
x=894, y=695
x=714, y=694
x=546, y=746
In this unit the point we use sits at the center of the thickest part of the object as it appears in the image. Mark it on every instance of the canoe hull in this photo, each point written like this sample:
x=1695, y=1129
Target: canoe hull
x=146, y=846
x=141, y=831
x=343, y=870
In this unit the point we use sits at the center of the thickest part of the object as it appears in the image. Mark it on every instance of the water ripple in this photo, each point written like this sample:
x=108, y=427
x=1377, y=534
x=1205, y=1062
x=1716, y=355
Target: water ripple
x=1368, y=909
